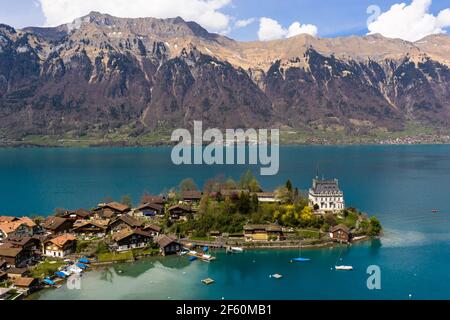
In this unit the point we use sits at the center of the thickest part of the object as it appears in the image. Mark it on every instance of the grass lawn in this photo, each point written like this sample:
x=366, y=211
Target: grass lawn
x=111, y=257
x=46, y=268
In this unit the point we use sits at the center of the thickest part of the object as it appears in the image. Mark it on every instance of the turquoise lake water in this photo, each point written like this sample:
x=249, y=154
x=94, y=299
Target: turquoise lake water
x=399, y=184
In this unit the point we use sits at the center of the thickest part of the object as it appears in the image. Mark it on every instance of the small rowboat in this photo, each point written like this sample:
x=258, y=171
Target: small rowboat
x=301, y=260
x=344, y=268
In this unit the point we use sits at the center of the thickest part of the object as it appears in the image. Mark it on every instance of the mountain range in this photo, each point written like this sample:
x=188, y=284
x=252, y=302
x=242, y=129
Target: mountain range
x=102, y=73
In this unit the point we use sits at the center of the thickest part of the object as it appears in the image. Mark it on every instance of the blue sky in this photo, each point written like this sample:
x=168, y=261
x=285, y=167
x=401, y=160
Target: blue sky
x=331, y=17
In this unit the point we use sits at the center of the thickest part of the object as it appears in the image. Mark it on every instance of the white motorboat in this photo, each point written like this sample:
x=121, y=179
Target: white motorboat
x=344, y=268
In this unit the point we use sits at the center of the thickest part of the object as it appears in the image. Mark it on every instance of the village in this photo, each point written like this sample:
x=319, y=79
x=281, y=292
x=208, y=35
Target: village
x=36, y=253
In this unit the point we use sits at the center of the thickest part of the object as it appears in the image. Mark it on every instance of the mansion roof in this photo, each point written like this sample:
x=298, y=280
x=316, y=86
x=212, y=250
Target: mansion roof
x=326, y=187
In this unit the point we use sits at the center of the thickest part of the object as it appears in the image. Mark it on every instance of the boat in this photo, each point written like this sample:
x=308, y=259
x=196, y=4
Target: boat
x=344, y=268
x=201, y=256
x=84, y=261
x=300, y=259
x=82, y=266
x=192, y=258
x=49, y=282
x=276, y=276
x=60, y=274
x=237, y=250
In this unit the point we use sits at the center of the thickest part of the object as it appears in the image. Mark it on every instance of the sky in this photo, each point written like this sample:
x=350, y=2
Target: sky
x=248, y=20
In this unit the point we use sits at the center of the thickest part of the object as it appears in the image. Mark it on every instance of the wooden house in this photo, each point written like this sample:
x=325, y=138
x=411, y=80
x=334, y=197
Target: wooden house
x=80, y=214
x=168, y=245
x=152, y=229
x=340, y=233
x=191, y=196
x=263, y=232
x=124, y=222
x=14, y=257
x=111, y=210
x=128, y=239
x=160, y=200
x=91, y=228
x=15, y=228
x=57, y=225
x=179, y=212
x=60, y=246
x=150, y=210
x=27, y=285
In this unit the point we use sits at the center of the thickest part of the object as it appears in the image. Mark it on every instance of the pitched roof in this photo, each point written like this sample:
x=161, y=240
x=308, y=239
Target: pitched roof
x=7, y=219
x=152, y=227
x=103, y=224
x=153, y=206
x=191, y=195
x=80, y=212
x=53, y=223
x=178, y=206
x=128, y=232
x=9, y=227
x=340, y=227
x=325, y=186
x=19, y=241
x=163, y=240
x=9, y=252
x=28, y=222
x=129, y=220
x=116, y=206
x=24, y=282
x=62, y=240
x=153, y=199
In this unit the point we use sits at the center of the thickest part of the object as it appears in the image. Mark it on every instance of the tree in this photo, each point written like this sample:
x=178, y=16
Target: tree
x=188, y=185
x=126, y=200
x=306, y=215
x=330, y=219
x=249, y=182
x=289, y=185
x=284, y=195
x=375, y=227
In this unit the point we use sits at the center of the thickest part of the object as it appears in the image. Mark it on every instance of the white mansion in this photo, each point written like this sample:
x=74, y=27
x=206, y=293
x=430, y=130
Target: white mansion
x=325, y=196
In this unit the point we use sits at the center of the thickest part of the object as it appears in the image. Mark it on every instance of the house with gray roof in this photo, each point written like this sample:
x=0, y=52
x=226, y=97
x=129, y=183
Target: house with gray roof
x=326, y=196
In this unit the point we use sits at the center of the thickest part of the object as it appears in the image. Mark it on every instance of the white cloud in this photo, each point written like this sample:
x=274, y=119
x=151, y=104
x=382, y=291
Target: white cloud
x=270, y=29
x=410, y=22
x=205, y=12
x=244, y=23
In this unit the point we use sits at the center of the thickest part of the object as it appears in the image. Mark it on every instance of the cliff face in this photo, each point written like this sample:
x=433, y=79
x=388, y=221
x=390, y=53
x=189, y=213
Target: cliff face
x=102, y=73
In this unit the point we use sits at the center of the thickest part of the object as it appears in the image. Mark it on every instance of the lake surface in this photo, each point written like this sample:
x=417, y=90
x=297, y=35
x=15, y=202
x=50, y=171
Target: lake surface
x=399, y=184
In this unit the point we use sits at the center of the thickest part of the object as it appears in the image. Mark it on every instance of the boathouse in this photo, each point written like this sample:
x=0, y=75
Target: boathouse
x=340, y=233
x=168, y=245
x=263, y=232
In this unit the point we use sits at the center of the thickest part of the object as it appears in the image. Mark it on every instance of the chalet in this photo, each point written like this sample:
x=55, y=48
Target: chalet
x=263, y=232
x=168, y=245
x=60, y=246
x=111, y=210
x=30, y=224
x=124, y=222
x=191, y=196
x=32, y=246
x=15, y=273
x=325, y=196
x=27, y=285
x=5, y=219
x=91, y=228
x=179, y=212
x=15, y=228
x=80, y=214
x=152, y=229
x=149, y=210
x=267, y=197
x=57, y=225
x=127, y=239
x=340, y=233
x=161, y=200
x=15, y=257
